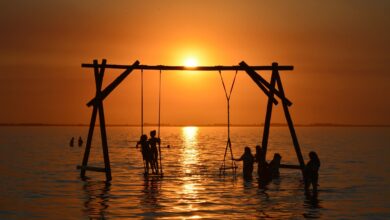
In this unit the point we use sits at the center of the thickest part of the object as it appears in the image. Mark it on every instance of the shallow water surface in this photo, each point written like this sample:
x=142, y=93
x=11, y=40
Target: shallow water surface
x=40, y=179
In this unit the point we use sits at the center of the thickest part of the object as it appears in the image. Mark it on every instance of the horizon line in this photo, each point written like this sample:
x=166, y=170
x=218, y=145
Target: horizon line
x=199, y=125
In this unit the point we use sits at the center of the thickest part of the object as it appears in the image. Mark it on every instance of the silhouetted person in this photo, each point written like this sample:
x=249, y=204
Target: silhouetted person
x=247, y=161
x=146, y=154
x=80, y=142
x=274, y=165
x=311, y=171
x=258, y=156
x=71, y=143
x=153, y=141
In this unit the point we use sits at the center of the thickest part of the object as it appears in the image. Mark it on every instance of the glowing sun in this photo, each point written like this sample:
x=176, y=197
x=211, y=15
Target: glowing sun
x=190, y=62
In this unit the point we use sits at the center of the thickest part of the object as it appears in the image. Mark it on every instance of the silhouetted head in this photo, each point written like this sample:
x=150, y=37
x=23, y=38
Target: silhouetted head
x=247, y=150
x=277, y=156
x=153, y=133
x=144, y=137
x=258, y=148
x=313, y=155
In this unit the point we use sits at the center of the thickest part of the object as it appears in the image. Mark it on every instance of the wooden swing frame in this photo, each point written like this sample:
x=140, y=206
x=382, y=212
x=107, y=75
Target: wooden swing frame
x=272, y=89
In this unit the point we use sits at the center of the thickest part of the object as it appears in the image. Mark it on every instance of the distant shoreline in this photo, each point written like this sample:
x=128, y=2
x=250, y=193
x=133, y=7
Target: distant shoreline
x=183, y=125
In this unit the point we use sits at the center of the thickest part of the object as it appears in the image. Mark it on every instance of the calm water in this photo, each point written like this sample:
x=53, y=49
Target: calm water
x=39, y=179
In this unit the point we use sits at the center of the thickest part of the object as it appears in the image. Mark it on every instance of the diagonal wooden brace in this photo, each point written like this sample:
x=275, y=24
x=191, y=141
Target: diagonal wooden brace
x=260, y=80
x=106, y=91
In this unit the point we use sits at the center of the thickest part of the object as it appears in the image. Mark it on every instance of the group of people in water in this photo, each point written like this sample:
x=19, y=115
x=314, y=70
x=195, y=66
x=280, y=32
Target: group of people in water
x=150, y=154
x=268, y=171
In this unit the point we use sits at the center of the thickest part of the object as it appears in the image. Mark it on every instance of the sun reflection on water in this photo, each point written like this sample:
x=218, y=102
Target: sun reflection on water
x=189, y=159
x=190, y=152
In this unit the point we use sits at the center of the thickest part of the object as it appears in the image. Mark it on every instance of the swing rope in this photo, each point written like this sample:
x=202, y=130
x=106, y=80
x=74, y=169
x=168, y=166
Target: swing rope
x=159, y=123
x=159, y=115
x=142, y=101
x=228, y=144
x=142, y=112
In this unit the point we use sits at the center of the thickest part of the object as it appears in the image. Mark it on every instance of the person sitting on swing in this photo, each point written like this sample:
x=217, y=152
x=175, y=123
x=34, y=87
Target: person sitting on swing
x=247, y=161
x=146, y=152
x=153, y=141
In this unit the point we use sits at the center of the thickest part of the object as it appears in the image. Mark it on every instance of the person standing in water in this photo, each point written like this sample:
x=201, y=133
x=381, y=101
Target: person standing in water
x=153, y=141
x=247, y=161
x=311, y=171
x=274, y=166
x=146, y=152
x=258, y=156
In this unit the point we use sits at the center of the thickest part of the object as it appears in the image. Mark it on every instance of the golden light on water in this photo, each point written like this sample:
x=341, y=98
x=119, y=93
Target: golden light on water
x=189, y=160
x=190, y=133
x=190, y=151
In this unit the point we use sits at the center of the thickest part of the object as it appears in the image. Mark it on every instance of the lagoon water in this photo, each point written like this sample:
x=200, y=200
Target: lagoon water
x=40, y=180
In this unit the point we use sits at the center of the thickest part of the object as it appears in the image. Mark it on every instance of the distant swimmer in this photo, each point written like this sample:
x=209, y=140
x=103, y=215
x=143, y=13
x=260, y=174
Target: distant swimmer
x=247, y=161
x=311, y=171
x=80, y=142
x=71, y=143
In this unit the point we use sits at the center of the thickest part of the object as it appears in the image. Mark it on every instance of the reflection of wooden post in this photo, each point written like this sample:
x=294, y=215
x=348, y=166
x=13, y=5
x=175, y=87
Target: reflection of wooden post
x=267, y=122
x=291, y=126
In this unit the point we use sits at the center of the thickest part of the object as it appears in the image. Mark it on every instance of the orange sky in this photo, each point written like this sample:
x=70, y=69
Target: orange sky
x=339, y=49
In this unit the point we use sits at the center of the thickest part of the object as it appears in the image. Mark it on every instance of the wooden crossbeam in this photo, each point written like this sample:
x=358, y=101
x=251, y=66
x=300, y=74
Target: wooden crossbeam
x=106, y=91
x=186, y=68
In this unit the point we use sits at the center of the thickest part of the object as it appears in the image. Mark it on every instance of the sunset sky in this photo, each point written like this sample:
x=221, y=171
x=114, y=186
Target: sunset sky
x=339, y=49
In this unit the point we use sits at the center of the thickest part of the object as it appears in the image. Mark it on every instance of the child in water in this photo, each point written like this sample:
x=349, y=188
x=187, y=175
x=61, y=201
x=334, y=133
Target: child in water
x=258, y=155
x=146, y=153
x=153, y=141
x=311, y=171
x=248, y=160
x=274, y=166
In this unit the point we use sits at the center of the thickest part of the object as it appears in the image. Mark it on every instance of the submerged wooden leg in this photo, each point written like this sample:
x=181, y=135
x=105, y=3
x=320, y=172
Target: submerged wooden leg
x=104, y=142
x=292, y=129
x=89, y=142
x=267, y=124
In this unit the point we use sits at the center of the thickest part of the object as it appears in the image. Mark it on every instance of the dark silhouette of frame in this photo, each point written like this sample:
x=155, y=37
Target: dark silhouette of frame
x=272, y=89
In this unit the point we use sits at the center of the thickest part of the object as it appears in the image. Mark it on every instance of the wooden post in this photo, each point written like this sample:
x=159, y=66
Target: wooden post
x=104, y=141
x=97, y=103
x=98, y=83
x=267, y=122
x=291, y=126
